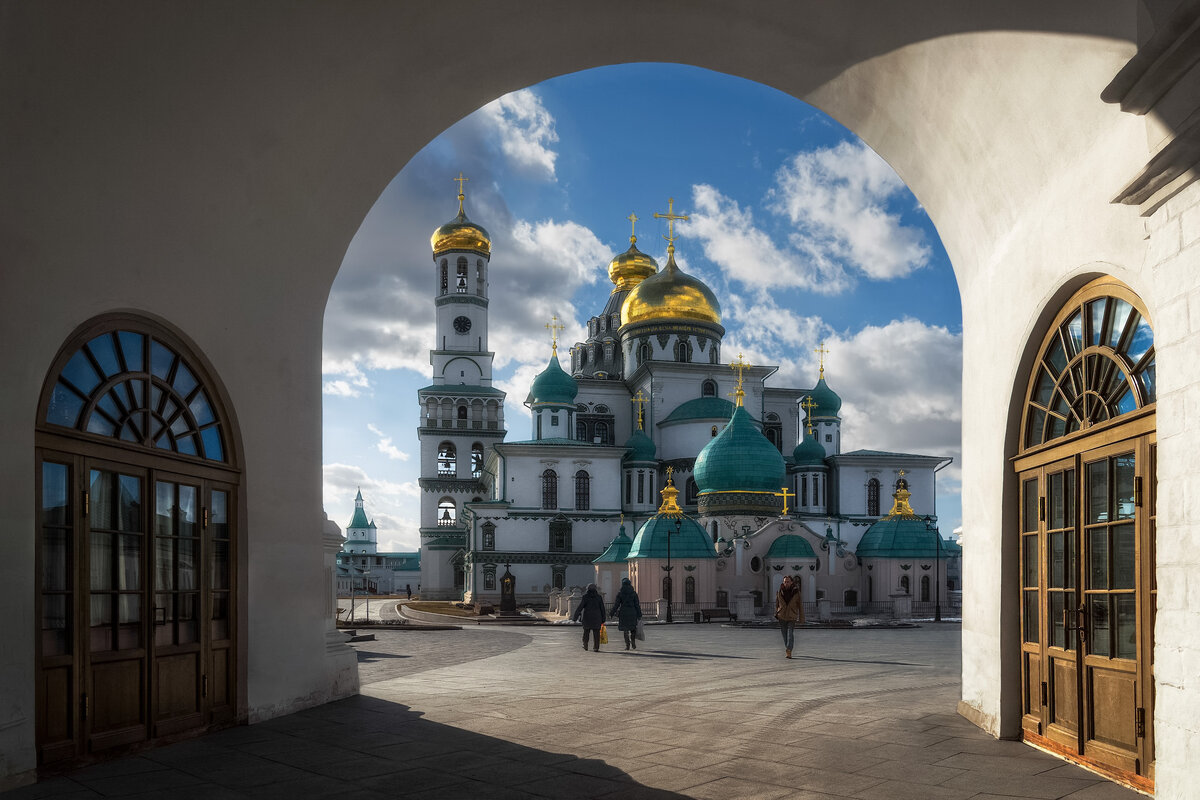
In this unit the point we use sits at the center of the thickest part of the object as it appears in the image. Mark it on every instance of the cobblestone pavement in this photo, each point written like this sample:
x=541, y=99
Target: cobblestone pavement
x=699, y=711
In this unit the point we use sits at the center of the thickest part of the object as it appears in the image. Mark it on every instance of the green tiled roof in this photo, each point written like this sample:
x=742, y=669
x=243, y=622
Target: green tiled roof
x=618, y=549
x=791, y=545
x=553, y=385
x=701, y=408
x=692, y=541
x=359, y=520
x=809, y=452
x=739, y=459
x=903, y=537
x=828, y=403
x=641, y=448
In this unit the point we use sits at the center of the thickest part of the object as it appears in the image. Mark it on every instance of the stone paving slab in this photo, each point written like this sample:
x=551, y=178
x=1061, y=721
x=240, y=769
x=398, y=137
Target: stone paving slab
x=699, y=711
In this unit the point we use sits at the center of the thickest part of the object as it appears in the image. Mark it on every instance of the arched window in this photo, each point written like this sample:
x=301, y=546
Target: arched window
x=641, y=486
x=602, y=433
x=713, y=432
x=804, y=490
x=447, y=513
x=689, y=590
x=1096, y=364
x=476, y=460
x=666, y=588
x=873, y=497
x=581, y=431
x=560, y=535
x=643, y=353
x=549, y=489
x=480, y=276
x=583, y=357
x=583, y=491
x=460, y=282
x=447, y=460
x=904, y=584
x=559, y=578
x=683, y=351
x=924, y=588
x=445, y=283
x=708, y=389
x=691, y=491
x=462, y=412
x=602, y=409
x=489, y=536
x=714, y=357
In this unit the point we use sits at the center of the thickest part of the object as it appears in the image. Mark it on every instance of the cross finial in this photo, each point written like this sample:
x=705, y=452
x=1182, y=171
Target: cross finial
x=740, y=365
x=640, y=401
x=821, y=353
x=808, y=405
x=633, y=218
x=785, y=494
x=669, y=471
x=670, y=217
x=554, y=326
x=461, y=180
x=901, y=473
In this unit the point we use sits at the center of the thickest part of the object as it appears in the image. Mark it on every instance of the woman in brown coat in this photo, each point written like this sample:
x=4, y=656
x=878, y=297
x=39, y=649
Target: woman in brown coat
x=788, y=611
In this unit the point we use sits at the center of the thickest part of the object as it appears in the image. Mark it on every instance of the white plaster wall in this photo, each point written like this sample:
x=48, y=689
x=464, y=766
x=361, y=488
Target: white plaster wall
x=242, y=144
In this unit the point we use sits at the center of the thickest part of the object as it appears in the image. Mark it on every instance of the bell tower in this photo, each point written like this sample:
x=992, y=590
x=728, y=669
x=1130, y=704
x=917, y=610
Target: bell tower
x=462, y=414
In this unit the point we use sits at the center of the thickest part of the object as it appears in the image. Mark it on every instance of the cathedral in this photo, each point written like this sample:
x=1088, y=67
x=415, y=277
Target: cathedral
x=640, y=465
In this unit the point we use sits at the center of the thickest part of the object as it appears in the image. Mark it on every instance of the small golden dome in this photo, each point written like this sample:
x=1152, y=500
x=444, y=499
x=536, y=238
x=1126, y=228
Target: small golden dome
x=631, y=267
x=461, y=234
x=671, y=294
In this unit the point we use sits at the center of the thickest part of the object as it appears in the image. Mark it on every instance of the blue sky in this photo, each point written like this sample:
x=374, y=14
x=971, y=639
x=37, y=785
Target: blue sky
x=803, y=233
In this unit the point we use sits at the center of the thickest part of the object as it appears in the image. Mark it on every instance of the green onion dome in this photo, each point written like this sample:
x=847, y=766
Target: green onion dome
x=690, y=542
x=828, y=403
x=739, y=459
x=553, y=386
x=809, y=452
x=640, y=446
x=618, y=549
x=791, y=545
x=902, y=534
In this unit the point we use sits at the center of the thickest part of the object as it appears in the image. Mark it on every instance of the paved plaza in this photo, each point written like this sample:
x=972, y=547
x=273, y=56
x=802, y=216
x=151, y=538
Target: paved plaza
x=699, y=711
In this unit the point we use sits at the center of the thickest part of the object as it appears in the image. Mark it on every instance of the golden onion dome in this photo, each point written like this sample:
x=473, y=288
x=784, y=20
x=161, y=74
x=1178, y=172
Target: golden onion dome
x=631, y=267
x=461, y=234
x=671, y=294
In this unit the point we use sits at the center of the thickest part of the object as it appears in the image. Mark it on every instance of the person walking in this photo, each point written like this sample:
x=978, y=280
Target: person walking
x=628, y=610
x=788, y=611
x=591, y=614
x=408, y=588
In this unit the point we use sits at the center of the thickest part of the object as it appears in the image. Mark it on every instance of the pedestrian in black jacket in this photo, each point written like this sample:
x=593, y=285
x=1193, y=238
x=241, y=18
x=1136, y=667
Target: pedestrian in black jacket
x=628, y=610
x=591, y=614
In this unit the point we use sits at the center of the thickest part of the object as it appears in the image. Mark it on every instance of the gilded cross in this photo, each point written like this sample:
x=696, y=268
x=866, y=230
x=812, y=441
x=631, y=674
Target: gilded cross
x=633, y=218
x=640, y=401
x=461, y=180
x=821, y=353
x=784, y=493
x=808, y=405
x=901, y=473
x=669, y=471
x=670, y=217
x=554, y=326
x=740, y=365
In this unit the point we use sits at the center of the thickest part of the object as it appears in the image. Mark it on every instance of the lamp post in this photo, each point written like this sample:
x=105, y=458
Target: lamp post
x=667, y=569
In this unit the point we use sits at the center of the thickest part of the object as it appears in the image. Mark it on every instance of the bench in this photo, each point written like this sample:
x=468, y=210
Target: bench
x=710, y=614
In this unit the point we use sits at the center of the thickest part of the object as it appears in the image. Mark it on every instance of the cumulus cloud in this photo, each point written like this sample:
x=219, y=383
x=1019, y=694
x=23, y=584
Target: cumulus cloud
x=385, y=446
x=393, y=507
x=837, y=199
x=524, y=130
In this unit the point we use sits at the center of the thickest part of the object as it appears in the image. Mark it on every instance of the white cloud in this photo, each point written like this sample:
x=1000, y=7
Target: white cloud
x=524, y=130
x=837, y=198
x=731, y=240
x=393, y=507
x=385, y=446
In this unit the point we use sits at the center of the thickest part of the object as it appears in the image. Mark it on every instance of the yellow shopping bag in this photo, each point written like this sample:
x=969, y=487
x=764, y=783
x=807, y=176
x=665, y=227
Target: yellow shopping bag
x=603, y=633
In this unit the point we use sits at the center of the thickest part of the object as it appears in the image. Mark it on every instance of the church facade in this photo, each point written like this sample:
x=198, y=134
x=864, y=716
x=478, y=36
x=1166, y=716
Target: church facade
x=759, y=484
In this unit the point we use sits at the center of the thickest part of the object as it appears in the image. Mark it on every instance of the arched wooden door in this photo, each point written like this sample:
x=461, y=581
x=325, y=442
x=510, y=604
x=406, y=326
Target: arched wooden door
x=137, y=494
x=1087, y=527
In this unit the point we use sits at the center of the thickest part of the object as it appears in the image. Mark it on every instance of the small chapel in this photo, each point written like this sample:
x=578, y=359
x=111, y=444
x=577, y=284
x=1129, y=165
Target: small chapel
x=639, y=464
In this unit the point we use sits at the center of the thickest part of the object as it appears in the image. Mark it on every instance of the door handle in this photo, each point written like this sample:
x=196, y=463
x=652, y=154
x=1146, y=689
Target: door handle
x=1080, y=625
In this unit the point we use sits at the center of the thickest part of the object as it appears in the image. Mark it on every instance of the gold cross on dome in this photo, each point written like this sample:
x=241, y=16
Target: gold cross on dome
x=633, y=218
x=784, y=493
x=821, y=353
x=640, y=401
x=554, y=326
x=670, y=217
x=808, y=405
x=740, y=365
x=669, y=471
x=461, y=180
x=901, y=473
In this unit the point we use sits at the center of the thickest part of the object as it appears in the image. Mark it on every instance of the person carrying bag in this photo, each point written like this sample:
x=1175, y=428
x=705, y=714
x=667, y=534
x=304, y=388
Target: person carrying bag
x=628, y=611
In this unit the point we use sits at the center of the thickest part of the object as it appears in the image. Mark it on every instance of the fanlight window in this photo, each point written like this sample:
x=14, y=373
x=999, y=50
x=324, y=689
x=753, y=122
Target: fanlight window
x=447, y=460
x=134, y=387
x=476, y=460
x=1096, y=364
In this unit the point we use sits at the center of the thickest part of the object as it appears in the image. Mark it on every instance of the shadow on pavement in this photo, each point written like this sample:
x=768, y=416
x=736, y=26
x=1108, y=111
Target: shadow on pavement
x=360, y=747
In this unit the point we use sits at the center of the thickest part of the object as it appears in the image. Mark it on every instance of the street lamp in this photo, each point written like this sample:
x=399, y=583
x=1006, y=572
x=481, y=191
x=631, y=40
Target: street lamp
x=667, y=569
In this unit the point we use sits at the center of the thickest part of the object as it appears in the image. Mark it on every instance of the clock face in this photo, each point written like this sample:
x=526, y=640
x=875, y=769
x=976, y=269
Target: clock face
x=462, y=324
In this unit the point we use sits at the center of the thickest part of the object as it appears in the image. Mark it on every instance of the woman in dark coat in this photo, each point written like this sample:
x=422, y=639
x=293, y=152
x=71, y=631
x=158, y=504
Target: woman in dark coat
x=628, y=610
x=591, y=614
x=788, y=611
